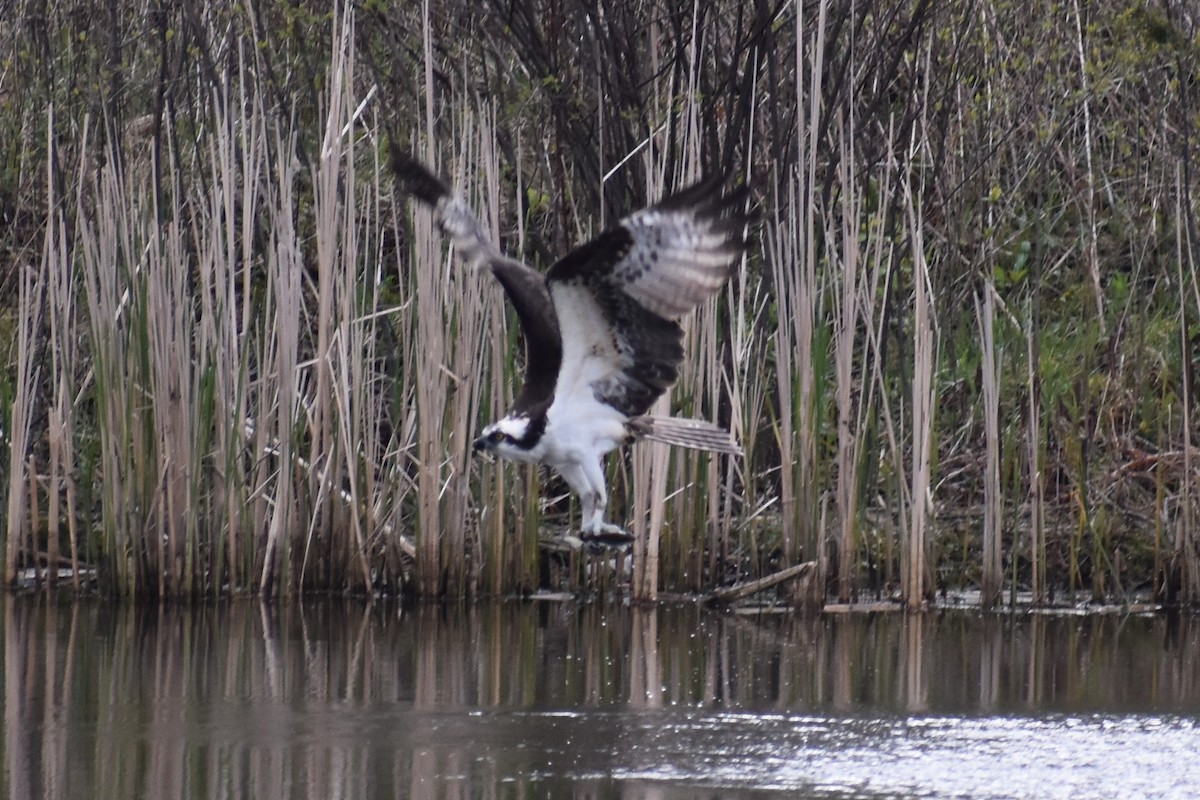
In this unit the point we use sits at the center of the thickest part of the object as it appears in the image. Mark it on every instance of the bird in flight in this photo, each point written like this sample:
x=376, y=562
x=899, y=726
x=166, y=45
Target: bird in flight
x=601, y=330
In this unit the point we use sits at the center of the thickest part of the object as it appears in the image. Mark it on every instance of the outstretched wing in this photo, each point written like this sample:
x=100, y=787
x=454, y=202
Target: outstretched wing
x=618, y=297
x=525, y=287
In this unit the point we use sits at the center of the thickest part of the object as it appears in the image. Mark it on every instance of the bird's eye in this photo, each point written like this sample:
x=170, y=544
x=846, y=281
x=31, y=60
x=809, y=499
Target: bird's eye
x=496, y=437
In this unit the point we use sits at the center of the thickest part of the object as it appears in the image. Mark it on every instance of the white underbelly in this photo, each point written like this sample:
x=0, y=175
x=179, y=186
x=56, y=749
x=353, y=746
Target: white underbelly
x=581, y=430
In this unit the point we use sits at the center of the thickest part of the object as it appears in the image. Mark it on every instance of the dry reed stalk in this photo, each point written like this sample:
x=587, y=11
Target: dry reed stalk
x=1093, y=234
x=233, y=353
x=29, y=317
x=719, y=334
x=1186, y=549
x=891, y=428
x=502, y=562
x=354, y=397
x=882, y=255
x=510, y=505
x=845, y=291
x=35, y=519
x=992, y=568
x=238, y=165
x=915, y=586
x=327, y=200
x=170, y=390
x=21, y=515
x=744, y=383
x=1160, y=500
x=64, y=354
x=1037, y=541
x=349, y=510
x=510, y=541
x=781, y=240
x=728, y=594
x=993, y=501
x=650, y=474
x=748, y=387
x=916, y=574
x=803, y=538
x=428, y=265
x=55, y=445
x=378, y=499
x=651, y=479
x=92, y=249
x=469, y=311
x=452, y=328
x=339, y=556
x=1186, y=556
x=649, y=460
x=279, y=404
x=691, y=517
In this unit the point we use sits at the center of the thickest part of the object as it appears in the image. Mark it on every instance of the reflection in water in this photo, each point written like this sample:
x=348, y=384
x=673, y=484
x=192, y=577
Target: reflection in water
x=335, y=699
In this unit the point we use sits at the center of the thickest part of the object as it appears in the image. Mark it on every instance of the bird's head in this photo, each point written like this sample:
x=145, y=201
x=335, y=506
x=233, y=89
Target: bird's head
x=513, y=437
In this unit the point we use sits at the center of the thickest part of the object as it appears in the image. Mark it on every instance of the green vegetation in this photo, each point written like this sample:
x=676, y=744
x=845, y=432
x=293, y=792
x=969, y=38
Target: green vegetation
x=231, y=360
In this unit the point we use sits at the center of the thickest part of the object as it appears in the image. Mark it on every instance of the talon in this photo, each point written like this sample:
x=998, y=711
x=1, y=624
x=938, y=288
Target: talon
x=610, y=537
x=594, y=548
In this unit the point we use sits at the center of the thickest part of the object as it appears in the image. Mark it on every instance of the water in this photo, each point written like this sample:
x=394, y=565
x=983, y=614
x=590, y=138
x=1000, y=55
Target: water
x=542, y=699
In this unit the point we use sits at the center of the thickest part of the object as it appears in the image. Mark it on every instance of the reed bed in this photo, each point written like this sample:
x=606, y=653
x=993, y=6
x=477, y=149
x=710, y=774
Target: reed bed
x=958, y=355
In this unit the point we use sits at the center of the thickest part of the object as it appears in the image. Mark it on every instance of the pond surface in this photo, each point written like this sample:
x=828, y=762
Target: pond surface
x=551, y=699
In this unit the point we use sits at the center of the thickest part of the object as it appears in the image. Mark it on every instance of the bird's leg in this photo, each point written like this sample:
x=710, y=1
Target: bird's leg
x=575, y=477
x=594, y=532
x=594, y=529
x=587, y=499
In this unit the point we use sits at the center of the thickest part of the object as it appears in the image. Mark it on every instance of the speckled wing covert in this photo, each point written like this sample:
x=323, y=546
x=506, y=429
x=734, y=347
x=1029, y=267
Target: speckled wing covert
x=618, y=297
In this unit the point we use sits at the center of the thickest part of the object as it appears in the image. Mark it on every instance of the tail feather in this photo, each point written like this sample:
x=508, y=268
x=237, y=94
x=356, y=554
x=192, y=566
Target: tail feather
x=696, y=434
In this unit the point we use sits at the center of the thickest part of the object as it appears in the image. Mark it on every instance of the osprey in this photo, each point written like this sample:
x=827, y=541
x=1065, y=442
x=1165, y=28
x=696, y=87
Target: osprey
x=602, y=337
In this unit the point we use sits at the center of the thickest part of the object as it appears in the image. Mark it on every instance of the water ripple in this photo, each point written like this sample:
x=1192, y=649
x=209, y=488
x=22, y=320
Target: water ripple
x=935, y=757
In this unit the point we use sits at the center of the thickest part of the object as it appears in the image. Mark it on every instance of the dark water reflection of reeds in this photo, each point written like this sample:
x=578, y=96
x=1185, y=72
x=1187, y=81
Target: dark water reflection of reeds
x=336, y=699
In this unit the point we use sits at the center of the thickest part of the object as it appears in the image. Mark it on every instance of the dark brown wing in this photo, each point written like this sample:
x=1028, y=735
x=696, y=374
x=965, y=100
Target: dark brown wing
x=526, y=288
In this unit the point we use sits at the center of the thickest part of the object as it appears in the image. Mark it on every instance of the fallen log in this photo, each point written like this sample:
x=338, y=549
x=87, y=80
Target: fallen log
x=728, y=594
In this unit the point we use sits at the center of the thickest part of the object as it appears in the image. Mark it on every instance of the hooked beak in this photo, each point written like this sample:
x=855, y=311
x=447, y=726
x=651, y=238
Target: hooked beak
x=481, y=447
